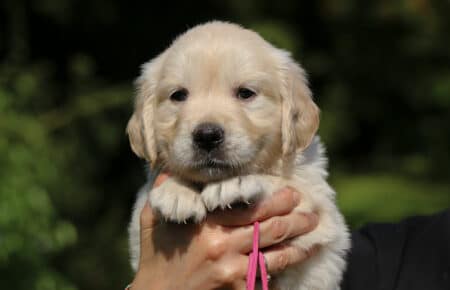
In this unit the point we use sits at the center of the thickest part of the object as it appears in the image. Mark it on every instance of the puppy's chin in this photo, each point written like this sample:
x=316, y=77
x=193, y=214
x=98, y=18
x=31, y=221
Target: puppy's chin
x=210, y=174
x=209, y=171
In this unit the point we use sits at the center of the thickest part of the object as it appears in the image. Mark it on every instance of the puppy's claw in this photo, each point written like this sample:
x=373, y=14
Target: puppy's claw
x=240, y=189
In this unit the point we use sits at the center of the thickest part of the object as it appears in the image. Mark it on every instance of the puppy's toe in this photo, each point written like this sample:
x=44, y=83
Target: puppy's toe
x=223, y=194
x=177, y=206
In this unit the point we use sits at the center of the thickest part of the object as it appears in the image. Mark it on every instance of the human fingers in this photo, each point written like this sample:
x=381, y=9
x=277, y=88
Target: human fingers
x=284, y=255
x=160, y=179
x=147, y=217
x=280, y=228
x=273, y=231
x=279, y=203
x=231, y=272
x=236, y=285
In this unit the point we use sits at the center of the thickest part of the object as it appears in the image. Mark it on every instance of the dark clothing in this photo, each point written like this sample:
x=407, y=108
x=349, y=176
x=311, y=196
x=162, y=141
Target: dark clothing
x=411, y=255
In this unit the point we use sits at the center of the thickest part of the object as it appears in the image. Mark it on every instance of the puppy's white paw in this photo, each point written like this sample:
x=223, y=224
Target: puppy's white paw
x=177, y=203
x=238, y=189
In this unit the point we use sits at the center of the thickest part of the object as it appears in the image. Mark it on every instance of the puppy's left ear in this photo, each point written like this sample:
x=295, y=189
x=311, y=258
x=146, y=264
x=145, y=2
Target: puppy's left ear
x=140, y=128
x=300, y=115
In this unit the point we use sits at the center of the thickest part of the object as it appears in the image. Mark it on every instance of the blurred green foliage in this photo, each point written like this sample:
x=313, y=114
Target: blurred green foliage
x=380, y=71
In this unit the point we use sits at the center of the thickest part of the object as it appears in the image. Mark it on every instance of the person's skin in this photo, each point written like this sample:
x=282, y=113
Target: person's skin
x=213, y=254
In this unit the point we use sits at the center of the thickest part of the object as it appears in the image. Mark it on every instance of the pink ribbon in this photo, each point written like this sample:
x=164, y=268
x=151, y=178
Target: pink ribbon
x=254, y=257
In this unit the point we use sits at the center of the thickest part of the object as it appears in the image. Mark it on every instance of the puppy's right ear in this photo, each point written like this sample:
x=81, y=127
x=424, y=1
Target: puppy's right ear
x=140, y=128
x=300, y=119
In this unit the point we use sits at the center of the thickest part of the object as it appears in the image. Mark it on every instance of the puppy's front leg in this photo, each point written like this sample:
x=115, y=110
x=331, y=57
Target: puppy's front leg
x=177, y=202
x=244, y=189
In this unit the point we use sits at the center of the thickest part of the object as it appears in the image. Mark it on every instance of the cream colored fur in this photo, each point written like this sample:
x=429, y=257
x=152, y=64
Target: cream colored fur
x=269, y=140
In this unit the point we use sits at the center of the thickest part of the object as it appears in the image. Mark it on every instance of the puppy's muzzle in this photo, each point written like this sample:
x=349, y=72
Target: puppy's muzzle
x=208, y=136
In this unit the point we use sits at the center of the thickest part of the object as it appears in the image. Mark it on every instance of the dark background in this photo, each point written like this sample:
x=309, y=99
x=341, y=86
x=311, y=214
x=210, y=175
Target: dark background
x=380, y=71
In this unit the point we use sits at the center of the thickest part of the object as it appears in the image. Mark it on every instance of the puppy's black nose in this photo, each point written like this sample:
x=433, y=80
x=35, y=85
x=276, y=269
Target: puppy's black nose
x=208, y=136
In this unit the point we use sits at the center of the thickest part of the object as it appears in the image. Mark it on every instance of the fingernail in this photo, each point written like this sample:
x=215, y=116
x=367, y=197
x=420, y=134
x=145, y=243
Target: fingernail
x=314, y=218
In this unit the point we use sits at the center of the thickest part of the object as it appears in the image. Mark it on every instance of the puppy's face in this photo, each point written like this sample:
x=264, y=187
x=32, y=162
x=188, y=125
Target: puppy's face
x=216, y=112
x=220, y=102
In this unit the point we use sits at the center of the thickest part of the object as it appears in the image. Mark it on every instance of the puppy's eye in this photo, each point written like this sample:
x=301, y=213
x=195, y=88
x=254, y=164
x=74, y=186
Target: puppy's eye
x=179, y=95
x=245, y=94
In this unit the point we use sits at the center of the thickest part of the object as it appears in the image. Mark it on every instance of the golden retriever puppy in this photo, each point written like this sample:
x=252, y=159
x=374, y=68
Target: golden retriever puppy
x=231, y=117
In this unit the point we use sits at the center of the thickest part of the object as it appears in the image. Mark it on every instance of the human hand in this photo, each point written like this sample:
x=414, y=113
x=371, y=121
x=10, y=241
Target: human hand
x=213, y=254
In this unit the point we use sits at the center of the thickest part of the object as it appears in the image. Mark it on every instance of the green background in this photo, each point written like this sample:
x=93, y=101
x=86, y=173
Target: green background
x=379, y=70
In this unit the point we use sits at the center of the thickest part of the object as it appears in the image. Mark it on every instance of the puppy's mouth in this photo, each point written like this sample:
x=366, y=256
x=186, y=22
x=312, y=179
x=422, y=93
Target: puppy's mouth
x=211, y=168
x=212, y=163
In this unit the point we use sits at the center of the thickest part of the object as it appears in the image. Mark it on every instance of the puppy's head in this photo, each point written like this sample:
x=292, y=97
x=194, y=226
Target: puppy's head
x=220, y=102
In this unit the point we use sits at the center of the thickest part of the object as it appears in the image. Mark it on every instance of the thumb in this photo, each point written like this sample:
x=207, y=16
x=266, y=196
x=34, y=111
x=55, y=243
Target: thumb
x=148, y=217
x=161, y=178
